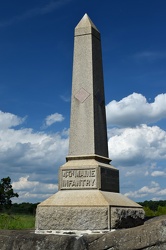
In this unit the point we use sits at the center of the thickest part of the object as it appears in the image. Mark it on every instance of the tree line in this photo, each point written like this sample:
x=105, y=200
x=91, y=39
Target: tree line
x=153, y=205
x=152, y=208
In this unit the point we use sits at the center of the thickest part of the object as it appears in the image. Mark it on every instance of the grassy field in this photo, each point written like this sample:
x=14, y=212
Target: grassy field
x=24, y=221
x=14, y=221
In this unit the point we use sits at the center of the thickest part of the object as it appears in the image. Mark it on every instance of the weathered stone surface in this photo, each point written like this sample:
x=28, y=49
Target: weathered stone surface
x=122, y=217
x=150, y=236
x=87, y=210
x=72, y=218
x=28, y=240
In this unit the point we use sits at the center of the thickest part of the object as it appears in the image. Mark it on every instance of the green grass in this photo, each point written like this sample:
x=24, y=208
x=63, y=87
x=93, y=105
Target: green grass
x=15, y=221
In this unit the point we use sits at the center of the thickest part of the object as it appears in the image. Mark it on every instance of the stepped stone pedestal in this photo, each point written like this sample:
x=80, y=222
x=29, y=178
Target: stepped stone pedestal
x=88, y=196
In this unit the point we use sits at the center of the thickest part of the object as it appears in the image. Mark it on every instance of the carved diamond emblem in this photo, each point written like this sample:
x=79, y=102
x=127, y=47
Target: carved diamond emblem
x=82, y=95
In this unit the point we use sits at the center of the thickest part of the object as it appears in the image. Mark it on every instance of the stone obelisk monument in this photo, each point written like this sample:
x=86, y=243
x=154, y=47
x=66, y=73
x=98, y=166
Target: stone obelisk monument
x=88, y=196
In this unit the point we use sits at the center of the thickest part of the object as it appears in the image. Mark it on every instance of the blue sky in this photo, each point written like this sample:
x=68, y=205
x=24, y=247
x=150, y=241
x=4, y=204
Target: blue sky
x=36, y=50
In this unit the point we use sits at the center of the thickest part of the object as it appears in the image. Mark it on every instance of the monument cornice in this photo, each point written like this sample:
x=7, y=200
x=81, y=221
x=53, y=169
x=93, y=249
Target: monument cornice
x=98, y=158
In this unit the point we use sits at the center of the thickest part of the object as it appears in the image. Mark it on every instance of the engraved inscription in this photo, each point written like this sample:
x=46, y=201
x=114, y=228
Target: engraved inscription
x=78, y=179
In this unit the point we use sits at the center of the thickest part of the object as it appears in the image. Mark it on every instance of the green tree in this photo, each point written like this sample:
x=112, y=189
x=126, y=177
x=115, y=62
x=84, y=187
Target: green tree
x=6, y=193
x=161, y=210
x=148, y=212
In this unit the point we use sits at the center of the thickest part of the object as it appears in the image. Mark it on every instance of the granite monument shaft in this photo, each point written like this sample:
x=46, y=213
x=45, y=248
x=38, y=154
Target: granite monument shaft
x=88, y=196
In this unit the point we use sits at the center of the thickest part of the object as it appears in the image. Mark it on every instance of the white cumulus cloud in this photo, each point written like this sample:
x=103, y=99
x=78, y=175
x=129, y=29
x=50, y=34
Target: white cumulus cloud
x=33, y=189
x=131, y=146
x=8, y=120
x=158, y=174
x=153, y=189
x=135, y=110
x=51, y=119
x=162, y=193
x=37, y=154
x=24, y=184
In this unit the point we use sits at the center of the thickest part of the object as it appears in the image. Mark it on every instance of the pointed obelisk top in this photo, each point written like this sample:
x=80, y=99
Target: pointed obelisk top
x=86, y=22
x=86, y=26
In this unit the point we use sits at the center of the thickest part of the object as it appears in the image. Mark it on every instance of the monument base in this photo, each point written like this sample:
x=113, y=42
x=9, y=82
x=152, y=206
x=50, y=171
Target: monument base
x=87, y=210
